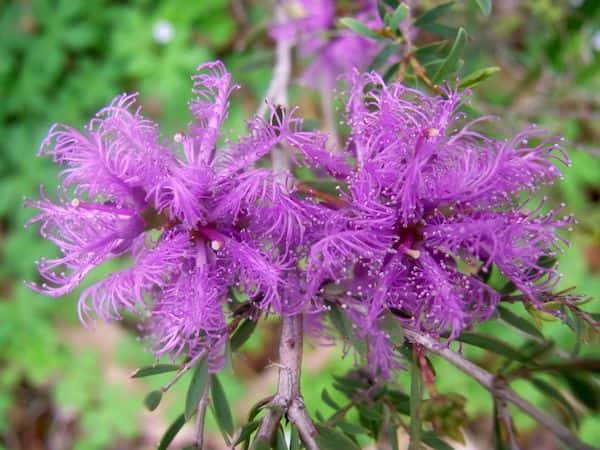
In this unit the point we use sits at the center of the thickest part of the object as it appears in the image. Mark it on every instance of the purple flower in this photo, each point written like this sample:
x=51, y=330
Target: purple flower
x=430, y=204
x=196, y=222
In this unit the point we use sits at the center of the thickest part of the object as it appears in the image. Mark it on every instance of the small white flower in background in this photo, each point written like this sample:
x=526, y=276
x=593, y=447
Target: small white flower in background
x=163, y=31
x=596, y=41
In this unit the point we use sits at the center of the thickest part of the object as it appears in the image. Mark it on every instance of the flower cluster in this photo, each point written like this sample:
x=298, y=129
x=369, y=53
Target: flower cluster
x=425, y=206
x=431, y=205
x=331, y=52
x=197, y=223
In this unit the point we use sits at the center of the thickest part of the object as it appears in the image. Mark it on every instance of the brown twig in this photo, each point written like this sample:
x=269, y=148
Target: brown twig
x=501, y=392
x=288, y=399
x=200, y=418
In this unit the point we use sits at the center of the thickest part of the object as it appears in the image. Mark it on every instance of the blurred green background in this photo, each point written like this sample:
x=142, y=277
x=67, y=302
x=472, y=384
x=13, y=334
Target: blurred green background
x=65, y=387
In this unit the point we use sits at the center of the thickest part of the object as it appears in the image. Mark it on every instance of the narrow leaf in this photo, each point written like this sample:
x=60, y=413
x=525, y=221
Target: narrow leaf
x=153, y=399
x=485, y=6
x=196, y=388
x=584, y=390
x=350, y=428
x=154, y=370
x=242, y=333
x=451, y=62
x=492, y=344
x=518, y=322
x=262, y=444
x=391, y=72
x=328, y=400
x=557, y=396
x=331, y=439
x=280, y=443
x=171, y=433
x=222, y=409
x=433, y=441
x=433, y=14
x=295, y=443
x=247, y=431
x=398, y=16
x=478, y=76
x=358, y=27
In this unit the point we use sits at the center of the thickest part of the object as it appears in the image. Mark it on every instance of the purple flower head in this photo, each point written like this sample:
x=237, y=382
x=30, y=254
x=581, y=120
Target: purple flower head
x=430, y=205
x=196, y=222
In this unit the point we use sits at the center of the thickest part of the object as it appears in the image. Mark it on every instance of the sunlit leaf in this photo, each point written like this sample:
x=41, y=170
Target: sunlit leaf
x=398, y=16
x=477, y=77
x=451, y=62
x=154, y=370
x=359, y=27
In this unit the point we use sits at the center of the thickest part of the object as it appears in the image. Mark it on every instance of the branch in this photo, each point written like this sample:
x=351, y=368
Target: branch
x=288, y=399
x=200, y=417
x=501, y=392
x=278, y=87
x=191, y=363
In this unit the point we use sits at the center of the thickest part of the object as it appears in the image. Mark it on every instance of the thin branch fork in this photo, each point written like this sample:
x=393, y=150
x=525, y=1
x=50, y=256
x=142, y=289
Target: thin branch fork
x=288, y=400
x=500, y=391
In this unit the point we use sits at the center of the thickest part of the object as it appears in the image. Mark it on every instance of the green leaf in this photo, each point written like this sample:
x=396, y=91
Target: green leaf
x=451, y=62
x=154, y=370
x=331, y=439
x=399, y=400
x=258, y=407
x=222, y=409
x=262, y=444
x=485, y=6
x=280, y=443
x=295, y=443
x=433, y=441
x=350, y=428
x=518, y=322
x=391, y=72
x=359, y=27
x=557, y=396
x=196, y=388
x=416, y=394
x=328, y=400
x=247, y=431
x=492, y=344
x=242, y=333
x=153, y=399
x=171, y=433
x=433, y=14
x=478, y=76
x=344, y=326
x=584, y=390
x=398, y=16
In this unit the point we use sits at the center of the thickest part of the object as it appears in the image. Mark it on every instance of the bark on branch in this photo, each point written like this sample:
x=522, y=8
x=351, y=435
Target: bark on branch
x=500, y=391
x=288, y=400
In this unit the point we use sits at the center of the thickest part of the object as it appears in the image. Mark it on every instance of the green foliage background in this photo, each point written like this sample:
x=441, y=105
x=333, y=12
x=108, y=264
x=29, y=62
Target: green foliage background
x=61, y=60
